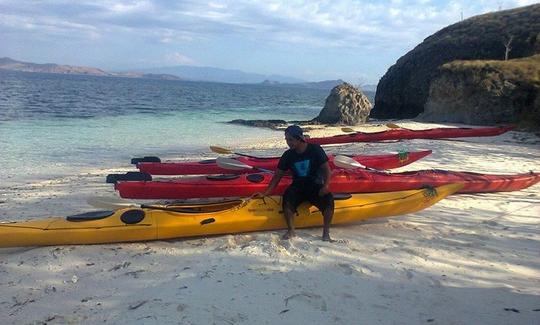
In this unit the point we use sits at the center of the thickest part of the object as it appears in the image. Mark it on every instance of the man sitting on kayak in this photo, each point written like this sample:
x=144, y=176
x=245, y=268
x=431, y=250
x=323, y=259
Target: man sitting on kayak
x=311, y=177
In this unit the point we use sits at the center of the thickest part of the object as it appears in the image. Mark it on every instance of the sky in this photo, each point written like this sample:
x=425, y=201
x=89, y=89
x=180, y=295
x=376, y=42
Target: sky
x=313, y=40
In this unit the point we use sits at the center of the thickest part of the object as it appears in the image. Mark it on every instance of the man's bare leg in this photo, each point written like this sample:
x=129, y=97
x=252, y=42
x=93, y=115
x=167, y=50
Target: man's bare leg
x=328, y=214
x=289, y=218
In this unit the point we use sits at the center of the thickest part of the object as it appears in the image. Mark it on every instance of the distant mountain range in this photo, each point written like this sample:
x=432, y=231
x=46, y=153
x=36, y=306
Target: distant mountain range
x=327, y=84
x=220, y=75
x=182, y=72
x=13, y=65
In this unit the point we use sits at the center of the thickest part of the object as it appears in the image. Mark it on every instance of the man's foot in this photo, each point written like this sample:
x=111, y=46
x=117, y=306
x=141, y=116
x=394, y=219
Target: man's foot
x=328, y=239
x=289, y=234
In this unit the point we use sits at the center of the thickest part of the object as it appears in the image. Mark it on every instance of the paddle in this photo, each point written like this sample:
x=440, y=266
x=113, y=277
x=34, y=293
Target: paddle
x=114, y=204
x=347, y=130
x=233, y=164
x=352, y=132
x=388, y=125
x=339, y=160
x=393, y=126
x=349, y=163
x=110, y=203
x=104, y=202
x=216, y=149
x=226, y=151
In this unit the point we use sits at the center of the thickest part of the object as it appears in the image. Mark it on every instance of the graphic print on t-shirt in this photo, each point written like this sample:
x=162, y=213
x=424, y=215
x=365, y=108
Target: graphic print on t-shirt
x=302, y=168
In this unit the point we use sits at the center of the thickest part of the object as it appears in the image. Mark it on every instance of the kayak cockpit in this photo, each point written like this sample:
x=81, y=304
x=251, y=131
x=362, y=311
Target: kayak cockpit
x=128, y=217
x=94, y=215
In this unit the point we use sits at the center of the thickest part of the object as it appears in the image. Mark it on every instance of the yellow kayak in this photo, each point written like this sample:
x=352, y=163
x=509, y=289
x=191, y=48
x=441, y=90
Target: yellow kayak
x=186, y=220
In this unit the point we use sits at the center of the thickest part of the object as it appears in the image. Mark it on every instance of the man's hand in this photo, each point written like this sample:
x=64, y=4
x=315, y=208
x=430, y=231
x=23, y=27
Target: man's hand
x=324, y=190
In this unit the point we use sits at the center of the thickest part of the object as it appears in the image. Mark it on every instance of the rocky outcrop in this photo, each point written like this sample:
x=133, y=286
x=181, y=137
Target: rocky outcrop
x=404, y=89
x=345, y=105
x=486, y=93
x=272, y=124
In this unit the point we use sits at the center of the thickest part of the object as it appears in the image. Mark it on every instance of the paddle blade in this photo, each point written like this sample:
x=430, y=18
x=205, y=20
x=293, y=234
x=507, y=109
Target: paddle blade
x=232, y=164
x=109, y=203
x=393, y=126
x=347, y=162
x=221, y=150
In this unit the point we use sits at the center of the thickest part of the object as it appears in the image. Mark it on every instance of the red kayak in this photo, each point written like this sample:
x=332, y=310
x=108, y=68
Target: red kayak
x=399, y=134
x=210, y=166
x=343, y=181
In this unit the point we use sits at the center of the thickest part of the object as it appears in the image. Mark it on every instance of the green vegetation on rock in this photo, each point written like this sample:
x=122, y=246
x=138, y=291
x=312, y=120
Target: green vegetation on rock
x=486, y=92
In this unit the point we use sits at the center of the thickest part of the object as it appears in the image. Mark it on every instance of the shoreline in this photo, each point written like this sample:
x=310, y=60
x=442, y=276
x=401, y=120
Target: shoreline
x=468, y=259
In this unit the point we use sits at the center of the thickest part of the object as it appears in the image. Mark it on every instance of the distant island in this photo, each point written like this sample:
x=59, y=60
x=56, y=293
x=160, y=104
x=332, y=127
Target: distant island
x=326, y=84
x=185, y=73
x=14, y=65
x=211, y=74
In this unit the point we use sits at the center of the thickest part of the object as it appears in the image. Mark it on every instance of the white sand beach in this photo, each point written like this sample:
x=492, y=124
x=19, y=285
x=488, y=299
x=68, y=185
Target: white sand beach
x=470, y=259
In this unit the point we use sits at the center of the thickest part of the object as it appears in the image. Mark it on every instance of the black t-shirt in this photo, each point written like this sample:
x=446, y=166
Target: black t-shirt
x=304, y=166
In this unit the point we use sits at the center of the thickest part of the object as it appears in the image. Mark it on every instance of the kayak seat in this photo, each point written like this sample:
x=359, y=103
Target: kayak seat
x=88, y=216
x=224, y=177
x=255, y=178
x=132, y=216
x=129, y=176
x=153, y=159
x=208, y=161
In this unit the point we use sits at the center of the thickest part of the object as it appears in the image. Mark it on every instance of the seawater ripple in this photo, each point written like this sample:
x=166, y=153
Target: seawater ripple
x=53, y=125
x=27, y=96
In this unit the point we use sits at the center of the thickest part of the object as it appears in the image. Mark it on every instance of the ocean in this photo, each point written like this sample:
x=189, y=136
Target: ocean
x=53, y=125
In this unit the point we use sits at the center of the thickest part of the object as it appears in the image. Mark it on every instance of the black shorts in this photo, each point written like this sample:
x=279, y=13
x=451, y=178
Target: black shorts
x=295, y=194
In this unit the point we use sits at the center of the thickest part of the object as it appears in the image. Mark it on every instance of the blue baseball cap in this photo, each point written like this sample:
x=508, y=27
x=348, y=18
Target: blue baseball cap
x=296, y=132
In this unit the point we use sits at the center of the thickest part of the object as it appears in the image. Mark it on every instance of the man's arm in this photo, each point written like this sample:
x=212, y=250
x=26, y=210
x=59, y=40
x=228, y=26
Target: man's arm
x=326, y=174
x=273, y=183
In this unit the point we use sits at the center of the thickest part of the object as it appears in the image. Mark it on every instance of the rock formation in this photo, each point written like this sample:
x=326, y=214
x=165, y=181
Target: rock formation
x=486, y=92
x=404, y=89
x=345, y=105
x=272, y=124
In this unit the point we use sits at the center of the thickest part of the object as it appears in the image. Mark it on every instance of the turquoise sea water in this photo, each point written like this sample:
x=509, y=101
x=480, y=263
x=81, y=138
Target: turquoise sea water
x=61, y=124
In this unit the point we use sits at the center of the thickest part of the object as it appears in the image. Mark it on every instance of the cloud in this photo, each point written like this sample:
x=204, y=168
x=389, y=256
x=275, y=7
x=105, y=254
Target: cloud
x=47, y=25
x=323, y=23
x=318, y=26
x=179, y=58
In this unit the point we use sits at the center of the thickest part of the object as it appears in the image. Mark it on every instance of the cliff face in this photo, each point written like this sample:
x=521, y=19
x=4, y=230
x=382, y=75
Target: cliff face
x=486, y=92
x=404, y=89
